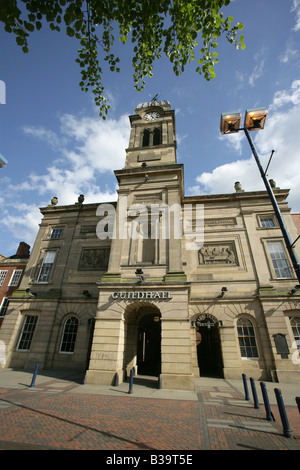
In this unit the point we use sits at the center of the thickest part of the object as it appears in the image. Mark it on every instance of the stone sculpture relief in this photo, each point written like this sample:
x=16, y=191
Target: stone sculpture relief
x=218, y=253
x=94, y=258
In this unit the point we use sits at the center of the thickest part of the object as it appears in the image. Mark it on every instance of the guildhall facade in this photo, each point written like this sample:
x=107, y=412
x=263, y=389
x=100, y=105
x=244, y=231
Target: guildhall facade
x=174, y=286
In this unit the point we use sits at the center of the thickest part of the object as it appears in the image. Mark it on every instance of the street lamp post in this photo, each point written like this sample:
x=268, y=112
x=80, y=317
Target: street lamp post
x=255, y=120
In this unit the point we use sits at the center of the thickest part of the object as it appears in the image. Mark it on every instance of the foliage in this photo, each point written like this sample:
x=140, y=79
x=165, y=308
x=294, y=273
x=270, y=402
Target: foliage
x=176, y=28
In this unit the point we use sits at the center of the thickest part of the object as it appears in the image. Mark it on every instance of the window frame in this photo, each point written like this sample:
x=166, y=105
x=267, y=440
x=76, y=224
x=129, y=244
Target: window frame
x=265, y=219
x=46, y=266
x=151, y=137
x=56, y=231
x=27, y=329
x=293, y=327
x=273, y=269
x=17, y=272
x=4, y=306
x=247, y=320
x=269, y=217
x=67, y=342
x=3, y=276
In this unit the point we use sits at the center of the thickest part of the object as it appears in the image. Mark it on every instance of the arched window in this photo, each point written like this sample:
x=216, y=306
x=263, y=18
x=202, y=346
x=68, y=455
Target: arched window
x=156, y=137
x=146, y=138
x=295, y=324
x=69, y=335
x=246, y=337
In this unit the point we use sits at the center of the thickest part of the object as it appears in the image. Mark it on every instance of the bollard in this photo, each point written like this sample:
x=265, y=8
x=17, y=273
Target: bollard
x=131, y=380
x=298, y=402
x=34, y=375
x=247, y=397
x=269, y=414
x=256, y=403
x=285, y=423
x=159, y=381
x=116, y=381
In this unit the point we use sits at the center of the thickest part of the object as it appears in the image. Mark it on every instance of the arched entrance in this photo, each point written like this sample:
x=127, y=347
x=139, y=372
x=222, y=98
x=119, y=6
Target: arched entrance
x=208, y=342
x=143, y=339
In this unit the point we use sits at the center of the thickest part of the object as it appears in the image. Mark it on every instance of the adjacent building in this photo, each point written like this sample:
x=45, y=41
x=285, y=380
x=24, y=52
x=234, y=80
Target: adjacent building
x=174, y=286
x=11, y=271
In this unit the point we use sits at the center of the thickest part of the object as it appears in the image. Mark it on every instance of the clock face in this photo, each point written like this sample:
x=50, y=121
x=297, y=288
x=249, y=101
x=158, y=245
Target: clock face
x=151, y=116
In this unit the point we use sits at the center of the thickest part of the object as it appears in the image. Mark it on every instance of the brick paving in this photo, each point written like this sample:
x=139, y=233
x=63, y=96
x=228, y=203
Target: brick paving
x=54, y=417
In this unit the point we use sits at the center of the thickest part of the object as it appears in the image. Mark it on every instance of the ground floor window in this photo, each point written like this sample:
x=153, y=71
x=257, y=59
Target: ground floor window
x=295, y=324
x=4, y=306
x=69, y=335
x=27, y=333
x=246, y=336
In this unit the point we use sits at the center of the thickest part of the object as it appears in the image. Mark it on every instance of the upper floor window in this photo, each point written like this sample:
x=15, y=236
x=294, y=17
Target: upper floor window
x=279, y=260
x=27, y=333
x=15, y=279
x=47, y=266
x=56, y=233
x=267, y=222
x=151, y=137
x=146, y=138
x=156, y=137
x=69, y=335
x=2, y=276
x=246, y=336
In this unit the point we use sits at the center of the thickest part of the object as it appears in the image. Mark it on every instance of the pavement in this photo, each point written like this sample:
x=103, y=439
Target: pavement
x=61, y=412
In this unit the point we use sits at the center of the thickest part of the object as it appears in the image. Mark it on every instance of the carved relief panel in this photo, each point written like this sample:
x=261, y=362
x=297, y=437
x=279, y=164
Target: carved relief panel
x=223, y=253
x=95, y=258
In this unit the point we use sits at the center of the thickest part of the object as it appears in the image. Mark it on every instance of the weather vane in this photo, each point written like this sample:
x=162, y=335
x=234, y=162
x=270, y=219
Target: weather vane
x=154, y=98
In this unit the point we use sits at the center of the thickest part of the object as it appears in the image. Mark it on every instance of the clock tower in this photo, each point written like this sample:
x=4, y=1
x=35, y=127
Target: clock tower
x=153, y=137
x=150, y=178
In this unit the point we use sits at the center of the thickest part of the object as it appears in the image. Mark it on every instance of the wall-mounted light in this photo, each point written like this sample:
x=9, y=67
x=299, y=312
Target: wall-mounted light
x=223, y=291
x=139, y=273
x=294, y=290
x=29, y=292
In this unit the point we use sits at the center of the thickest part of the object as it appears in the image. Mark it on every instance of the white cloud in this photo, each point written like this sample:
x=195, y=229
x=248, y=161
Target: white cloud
x=88, y=148
x=44, y=134
x=282, y=134
x=290, y=53
x=22, y=222
x=296, y=8
x=234, y=141
x=257, y=72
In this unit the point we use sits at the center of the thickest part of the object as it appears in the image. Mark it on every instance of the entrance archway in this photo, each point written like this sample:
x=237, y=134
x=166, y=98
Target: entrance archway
x=143, y=339
x=208, y=342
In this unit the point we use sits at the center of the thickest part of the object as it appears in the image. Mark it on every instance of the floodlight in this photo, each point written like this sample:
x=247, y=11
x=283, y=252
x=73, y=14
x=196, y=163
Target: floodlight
x=255, y=119
x=230, y=122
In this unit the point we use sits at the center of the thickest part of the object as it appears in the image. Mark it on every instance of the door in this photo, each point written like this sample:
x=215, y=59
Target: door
x=209, y=351
x=149, y=349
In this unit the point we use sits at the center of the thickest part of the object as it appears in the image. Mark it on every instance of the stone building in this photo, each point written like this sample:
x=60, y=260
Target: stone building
x=172, y=285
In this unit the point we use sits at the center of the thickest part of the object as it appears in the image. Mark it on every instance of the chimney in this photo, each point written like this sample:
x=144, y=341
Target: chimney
x=23, y=250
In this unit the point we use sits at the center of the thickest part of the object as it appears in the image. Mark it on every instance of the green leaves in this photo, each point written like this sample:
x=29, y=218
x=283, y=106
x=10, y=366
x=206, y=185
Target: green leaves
x=184, y=30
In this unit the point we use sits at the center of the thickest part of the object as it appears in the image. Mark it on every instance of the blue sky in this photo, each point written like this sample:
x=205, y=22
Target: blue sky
x=56, y=145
